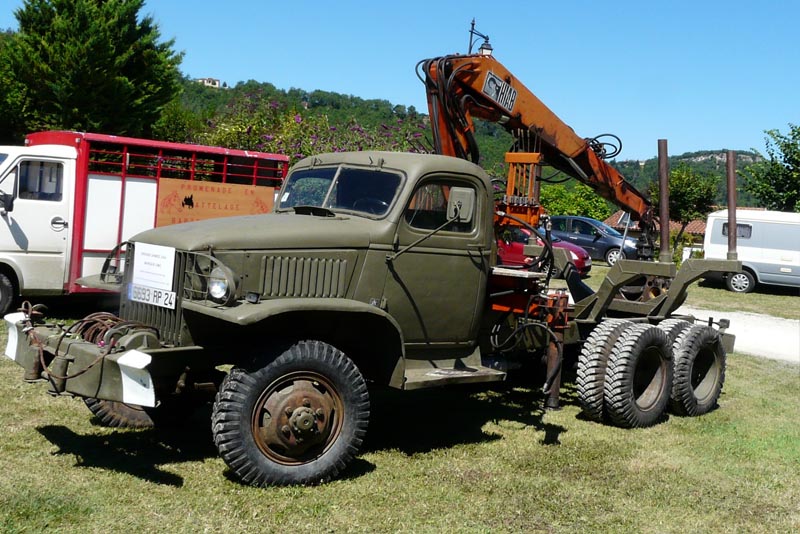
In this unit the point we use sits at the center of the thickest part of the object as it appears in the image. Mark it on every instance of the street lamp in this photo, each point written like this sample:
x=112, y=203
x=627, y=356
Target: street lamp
x=485, y=48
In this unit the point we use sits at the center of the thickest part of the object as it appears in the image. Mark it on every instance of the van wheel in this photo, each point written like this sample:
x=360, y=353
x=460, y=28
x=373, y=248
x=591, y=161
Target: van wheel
x=8, y=293
x=742, y=282
x=614, y=254
x=298, y=420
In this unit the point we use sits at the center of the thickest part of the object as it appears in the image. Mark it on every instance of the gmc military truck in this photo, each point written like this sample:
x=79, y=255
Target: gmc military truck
x=375, y=268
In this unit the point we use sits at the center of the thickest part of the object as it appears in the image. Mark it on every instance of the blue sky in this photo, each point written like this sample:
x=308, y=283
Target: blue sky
x=702, y=74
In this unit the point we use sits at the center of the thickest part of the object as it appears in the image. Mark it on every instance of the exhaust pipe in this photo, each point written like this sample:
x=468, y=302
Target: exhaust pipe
x=732, y=229
x=664, y=255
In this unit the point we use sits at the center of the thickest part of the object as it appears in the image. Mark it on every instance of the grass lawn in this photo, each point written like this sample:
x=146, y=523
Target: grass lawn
x=453, y=460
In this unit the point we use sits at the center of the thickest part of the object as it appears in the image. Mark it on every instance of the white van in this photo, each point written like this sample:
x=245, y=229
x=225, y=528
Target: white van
x=68, y=198
x=767, y=243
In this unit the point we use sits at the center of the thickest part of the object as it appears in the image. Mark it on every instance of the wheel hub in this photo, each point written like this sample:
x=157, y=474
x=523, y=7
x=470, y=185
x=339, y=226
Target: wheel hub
x=295, y=420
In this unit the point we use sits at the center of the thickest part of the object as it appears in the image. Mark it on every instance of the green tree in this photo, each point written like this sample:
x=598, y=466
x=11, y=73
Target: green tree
x=12, y=128
x=576, y=200
x=776, y=182
x=91, y=65
x=691, y=197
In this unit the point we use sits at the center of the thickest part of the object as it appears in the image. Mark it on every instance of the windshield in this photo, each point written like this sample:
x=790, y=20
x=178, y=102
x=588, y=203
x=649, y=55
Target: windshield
x=3, y=157
x=366, y=191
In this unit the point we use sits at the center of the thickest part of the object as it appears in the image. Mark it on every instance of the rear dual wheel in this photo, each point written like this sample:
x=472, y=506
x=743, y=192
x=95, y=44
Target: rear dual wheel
x=699, y=361
x=639, y=377
x=592, y=363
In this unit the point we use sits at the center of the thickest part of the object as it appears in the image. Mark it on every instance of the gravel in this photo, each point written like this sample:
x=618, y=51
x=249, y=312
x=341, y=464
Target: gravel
x=757, y=334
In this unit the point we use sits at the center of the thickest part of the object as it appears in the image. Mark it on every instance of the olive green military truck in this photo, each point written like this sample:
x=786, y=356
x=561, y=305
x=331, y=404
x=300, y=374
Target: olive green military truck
x=374, y=269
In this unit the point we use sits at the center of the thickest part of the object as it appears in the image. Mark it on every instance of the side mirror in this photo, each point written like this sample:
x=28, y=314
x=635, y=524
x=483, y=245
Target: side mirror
x=461, y=204
x=6, y=202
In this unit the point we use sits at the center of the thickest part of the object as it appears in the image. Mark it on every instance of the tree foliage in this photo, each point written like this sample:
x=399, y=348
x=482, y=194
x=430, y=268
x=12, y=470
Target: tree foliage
x=255, y=123
x=691, y=196
x=90, y=65
x=776, y=182
x=576, y=200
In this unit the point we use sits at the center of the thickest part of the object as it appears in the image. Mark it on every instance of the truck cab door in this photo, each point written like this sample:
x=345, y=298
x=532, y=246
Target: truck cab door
x=436, y=289
x=35, y=232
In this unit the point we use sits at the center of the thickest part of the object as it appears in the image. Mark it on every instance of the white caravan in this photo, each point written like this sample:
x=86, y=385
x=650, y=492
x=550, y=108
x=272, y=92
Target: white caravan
x=768, y=245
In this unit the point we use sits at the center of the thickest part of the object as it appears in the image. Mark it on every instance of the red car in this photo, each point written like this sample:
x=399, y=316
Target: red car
x=509, y=250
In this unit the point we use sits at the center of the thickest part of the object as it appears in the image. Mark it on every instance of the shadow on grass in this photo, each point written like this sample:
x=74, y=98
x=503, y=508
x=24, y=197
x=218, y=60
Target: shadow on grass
x=421, y=421
x=136, y=452
x=410, y=422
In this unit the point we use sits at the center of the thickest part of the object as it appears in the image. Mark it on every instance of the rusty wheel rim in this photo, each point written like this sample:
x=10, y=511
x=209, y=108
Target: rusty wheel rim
x=297, y=418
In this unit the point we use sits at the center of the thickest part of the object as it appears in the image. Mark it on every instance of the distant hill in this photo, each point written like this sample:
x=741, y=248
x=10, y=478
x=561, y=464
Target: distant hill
x=706, y=162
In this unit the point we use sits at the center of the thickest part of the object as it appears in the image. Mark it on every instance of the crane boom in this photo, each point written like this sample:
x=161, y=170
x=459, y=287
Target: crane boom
x=463, y=87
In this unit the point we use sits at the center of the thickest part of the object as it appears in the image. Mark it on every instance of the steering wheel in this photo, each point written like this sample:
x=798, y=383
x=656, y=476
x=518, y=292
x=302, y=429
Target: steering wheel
x=371, y=205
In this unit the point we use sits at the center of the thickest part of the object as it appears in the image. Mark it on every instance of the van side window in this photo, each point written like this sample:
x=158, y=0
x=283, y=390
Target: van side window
x=745, y=231
x=41, y=180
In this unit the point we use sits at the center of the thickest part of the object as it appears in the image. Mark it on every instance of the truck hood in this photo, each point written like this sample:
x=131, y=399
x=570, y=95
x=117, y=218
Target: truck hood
x=270, y=231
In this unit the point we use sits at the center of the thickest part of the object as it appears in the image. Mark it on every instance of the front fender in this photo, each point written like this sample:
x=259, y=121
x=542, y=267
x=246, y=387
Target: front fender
x=347, y=314
x=246, y=314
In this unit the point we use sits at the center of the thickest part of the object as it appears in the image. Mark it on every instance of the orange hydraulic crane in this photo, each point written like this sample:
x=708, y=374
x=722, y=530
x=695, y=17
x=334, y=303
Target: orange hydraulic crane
x=461, y=88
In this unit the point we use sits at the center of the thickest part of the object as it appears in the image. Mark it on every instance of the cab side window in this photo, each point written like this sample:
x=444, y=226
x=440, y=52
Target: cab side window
x=41, y=180
x=428, y=209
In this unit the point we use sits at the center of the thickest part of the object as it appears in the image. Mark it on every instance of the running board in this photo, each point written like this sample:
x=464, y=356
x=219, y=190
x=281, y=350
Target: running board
x=431, y=377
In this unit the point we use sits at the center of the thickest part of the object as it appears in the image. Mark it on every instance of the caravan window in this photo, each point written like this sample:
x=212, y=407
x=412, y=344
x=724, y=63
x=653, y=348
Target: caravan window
x=744, y=231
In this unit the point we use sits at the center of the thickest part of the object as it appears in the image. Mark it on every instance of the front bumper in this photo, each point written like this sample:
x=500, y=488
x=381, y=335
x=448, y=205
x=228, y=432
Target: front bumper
x=79, y=368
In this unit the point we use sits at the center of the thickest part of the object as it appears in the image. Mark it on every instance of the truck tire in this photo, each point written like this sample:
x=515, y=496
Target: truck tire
x=673, y=328
x=298, y=420
x=8, y=293
x=742, y=282
x=639, y=377
x=699, y=371
x=115, y=414
x=118, y=414
x=592, y=363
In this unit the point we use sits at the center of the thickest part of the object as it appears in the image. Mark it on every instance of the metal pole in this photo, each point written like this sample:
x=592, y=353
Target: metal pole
x=731, y=168
x=664, y=254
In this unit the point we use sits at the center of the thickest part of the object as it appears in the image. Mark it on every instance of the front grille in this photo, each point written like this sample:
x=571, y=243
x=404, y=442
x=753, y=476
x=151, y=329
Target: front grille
x=168, y=322
x=304, y=277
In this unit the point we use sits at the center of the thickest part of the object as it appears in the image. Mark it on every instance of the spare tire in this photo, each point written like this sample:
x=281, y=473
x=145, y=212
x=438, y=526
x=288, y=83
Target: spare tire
x=699, y=362
x=118, y=414
x=638, y=377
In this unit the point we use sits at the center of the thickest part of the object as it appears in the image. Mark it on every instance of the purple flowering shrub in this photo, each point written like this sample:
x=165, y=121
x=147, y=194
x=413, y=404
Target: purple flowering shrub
x=251, y=123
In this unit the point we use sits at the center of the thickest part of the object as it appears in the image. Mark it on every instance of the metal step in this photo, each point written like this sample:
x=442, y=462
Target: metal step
x=430, y=377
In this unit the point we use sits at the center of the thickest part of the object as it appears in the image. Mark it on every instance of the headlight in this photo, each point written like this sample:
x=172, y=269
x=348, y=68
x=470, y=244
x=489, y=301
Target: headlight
x=573, y=256
x=221, y=286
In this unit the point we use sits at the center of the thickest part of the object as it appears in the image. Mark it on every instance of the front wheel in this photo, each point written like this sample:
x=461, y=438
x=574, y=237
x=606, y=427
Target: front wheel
x=742, y=282
x=613, y=255
x=298, y=420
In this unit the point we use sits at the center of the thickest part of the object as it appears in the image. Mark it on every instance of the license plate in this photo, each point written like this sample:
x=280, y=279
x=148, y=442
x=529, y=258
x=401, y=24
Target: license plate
x=151, y=295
